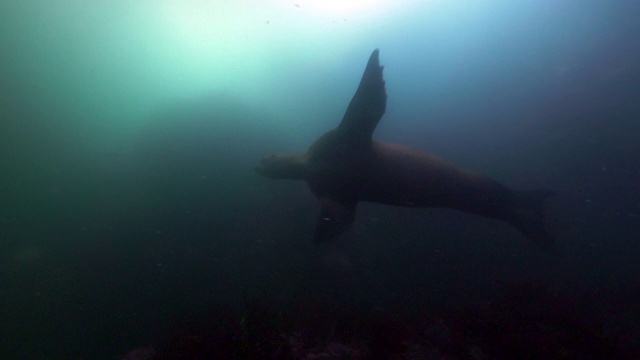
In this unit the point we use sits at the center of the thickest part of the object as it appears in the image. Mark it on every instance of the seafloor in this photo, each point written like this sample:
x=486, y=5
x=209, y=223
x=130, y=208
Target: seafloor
x=526, y=320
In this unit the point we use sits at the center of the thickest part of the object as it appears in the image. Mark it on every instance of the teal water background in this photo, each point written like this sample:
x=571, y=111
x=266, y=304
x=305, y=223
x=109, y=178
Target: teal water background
x=129, y=131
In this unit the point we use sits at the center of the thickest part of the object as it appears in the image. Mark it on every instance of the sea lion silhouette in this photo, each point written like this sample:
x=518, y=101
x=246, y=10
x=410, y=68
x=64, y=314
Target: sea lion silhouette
x=345, y=166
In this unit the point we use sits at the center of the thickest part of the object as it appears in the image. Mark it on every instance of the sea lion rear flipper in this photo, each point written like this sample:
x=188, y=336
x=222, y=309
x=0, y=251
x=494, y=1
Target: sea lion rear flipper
x=335, y=217
x=367, y=105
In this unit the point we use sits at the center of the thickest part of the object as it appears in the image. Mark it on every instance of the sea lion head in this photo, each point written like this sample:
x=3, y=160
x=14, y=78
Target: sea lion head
x=282, y=166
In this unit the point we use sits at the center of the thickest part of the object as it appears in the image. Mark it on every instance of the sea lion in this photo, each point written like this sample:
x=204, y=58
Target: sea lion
x=345, y=166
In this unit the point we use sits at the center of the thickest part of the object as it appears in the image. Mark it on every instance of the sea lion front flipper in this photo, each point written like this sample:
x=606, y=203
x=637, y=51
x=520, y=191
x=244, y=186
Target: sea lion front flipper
x=367, y=105
x=335, y=217
x=528, y=216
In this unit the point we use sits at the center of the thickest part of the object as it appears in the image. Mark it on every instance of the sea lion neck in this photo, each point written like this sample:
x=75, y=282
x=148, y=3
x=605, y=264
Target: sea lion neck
x=337, y=146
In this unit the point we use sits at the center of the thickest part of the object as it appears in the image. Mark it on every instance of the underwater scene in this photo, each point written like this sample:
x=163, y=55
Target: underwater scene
x=307, y=179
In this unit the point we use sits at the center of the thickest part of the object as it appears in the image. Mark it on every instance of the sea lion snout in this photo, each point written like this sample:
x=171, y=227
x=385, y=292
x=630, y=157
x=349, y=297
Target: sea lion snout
x=282, y=166
x=266, y=163
x=261, y=168
x=275, y=166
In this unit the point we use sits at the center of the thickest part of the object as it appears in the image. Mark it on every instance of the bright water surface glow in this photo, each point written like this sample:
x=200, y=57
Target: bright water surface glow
x=115, y=66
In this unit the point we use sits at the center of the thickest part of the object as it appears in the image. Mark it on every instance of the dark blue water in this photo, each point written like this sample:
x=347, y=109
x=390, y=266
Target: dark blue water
x=130, y=211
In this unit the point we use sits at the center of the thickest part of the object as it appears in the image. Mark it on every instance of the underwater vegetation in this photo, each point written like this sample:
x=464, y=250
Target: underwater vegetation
x=525, y=320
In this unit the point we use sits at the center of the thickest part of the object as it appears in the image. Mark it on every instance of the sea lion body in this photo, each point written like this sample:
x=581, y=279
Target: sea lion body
x=345, y=166
x=396, y=175
x=407, y=177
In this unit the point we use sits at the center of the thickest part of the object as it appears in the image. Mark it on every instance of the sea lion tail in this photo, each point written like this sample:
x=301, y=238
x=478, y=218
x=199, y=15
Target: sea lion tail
x=530, y=217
